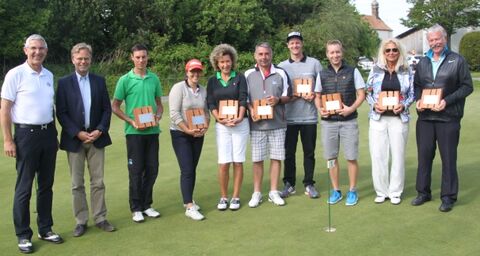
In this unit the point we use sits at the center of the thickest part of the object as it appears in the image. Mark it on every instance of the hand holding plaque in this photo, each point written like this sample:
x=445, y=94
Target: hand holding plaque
x=388, y=99
x=196, y=118
x=332, y=102
x=144, y=117
x=262, y=110
x=228, y=109
x=302, y=87
x=430, y=98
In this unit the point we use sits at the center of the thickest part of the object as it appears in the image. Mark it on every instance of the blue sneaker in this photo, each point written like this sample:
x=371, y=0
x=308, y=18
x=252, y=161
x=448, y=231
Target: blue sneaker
x=335, y=196
x=352, y=198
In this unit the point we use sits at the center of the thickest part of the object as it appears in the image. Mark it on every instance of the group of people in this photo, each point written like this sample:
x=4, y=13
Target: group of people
x=272, y=105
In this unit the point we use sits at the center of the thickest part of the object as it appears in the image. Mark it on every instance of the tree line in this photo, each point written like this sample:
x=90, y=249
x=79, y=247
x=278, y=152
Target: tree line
x=177, y=30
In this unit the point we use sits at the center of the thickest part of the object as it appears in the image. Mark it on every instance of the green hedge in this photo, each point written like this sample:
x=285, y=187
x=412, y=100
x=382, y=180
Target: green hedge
x=470, y=49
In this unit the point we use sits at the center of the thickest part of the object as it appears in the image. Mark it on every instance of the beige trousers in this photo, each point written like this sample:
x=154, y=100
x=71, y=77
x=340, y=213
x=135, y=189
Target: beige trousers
x=95, y=159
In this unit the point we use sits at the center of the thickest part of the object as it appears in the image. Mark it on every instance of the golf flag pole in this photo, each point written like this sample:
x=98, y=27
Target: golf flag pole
x=329, y=229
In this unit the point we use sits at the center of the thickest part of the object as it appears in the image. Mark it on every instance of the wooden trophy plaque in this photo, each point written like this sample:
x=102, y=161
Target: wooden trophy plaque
x=388, y=99
x=332, y=102
x=262, y=109
x=430, y=98
x=228, y=109
x=196, y=118
x=302, y=87
x=144, y=117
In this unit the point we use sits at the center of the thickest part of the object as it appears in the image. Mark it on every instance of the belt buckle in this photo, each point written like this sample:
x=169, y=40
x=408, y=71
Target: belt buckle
x=43, y=126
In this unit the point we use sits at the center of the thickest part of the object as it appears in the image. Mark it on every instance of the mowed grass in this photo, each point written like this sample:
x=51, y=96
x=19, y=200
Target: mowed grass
x=295, y=229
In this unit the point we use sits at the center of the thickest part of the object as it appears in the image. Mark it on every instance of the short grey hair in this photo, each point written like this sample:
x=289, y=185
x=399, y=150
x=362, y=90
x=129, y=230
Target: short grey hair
x=264, y=45
x=35, y=37
x=81, y=46
x=437, y=28
x=220, y=51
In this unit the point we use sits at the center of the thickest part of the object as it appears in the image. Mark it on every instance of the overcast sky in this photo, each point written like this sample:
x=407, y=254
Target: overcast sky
x=390, y=12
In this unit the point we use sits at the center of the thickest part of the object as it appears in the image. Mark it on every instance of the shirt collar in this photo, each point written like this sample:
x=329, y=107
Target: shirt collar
x=189, y=87
x=442, y=55
x=132, y=74
x=30, y=69
x=304, y=59
x=232, y=75
x=80, y=76
x=273, y=70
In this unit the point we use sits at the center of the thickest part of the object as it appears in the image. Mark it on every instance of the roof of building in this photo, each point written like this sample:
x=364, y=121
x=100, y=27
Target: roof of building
x=407, y=33
x=375, y=23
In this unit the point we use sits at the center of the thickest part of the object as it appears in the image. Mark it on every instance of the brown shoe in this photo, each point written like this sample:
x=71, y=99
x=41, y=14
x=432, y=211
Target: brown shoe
x=105, y=226
x=79, y=230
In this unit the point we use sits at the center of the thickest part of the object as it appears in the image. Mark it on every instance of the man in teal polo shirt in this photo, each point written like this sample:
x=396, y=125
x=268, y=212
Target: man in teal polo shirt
x=140, y=88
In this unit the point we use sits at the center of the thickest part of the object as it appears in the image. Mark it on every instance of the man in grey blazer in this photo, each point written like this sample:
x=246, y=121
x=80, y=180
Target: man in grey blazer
x=84, y=111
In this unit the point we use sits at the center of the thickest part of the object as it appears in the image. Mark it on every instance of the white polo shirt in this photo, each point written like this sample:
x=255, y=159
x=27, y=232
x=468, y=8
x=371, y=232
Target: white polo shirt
x=31, y=93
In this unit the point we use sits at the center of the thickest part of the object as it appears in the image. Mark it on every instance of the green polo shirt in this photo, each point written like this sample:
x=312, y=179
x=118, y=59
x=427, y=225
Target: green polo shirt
x=137, y=92
x=223, y=82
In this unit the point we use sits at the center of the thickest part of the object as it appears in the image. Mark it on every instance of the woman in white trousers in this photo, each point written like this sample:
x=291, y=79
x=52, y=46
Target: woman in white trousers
x=389, y=117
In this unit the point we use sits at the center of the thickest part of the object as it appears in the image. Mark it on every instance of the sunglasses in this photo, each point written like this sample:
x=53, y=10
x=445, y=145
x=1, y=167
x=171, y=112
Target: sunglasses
x=388, y=50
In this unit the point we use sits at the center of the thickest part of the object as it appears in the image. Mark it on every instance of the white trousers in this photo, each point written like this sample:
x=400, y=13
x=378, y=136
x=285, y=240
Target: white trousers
x=388, y=136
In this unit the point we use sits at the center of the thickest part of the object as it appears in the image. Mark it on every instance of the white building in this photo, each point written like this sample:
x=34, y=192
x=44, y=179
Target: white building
x=377, y=24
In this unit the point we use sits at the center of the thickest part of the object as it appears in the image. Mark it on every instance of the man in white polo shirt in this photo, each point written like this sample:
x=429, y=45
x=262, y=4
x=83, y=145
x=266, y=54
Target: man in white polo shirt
x=27, y=103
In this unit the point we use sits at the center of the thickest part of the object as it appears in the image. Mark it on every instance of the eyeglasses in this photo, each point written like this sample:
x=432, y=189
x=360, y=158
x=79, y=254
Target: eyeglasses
x=388, y=50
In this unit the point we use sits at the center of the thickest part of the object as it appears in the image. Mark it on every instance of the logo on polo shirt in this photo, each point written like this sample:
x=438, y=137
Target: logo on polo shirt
x=48, y=84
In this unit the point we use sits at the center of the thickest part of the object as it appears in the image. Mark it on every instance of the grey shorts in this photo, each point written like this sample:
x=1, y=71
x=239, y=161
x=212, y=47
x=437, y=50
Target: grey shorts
x=334, y=132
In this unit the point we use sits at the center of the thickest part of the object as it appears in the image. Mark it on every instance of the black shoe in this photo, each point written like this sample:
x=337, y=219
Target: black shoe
x=79, y=230
x=446, y=207
x=105, y=226
x=419, y=200
x=51, y=237
x=25, y=245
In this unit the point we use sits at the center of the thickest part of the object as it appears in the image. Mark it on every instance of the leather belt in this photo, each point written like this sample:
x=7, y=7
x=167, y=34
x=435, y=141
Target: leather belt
x=34, y=126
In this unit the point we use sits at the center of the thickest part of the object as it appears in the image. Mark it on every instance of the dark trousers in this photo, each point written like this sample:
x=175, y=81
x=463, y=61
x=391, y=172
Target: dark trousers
x=446, y=134
x=36, y=154
x=142, y=153
x=308, y=135
x=187, y=149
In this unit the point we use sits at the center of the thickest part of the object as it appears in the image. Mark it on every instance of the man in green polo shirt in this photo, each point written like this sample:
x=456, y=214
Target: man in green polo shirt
x=140, y=88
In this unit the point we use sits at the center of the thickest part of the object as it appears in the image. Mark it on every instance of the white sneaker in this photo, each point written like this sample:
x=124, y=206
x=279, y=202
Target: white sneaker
x=256, y=199
x=138, y=217
x=194, y=214
x=395, y=200
x=379, y=199
x=222, y=204
x=195, y=205
x=274, y=197
x=152, y=213
x=235, y=204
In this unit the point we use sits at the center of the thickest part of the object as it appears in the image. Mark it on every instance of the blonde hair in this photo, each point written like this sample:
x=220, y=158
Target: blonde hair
x=220, y=51
x=402, y=60
x=81, y=46
x=333, y=42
